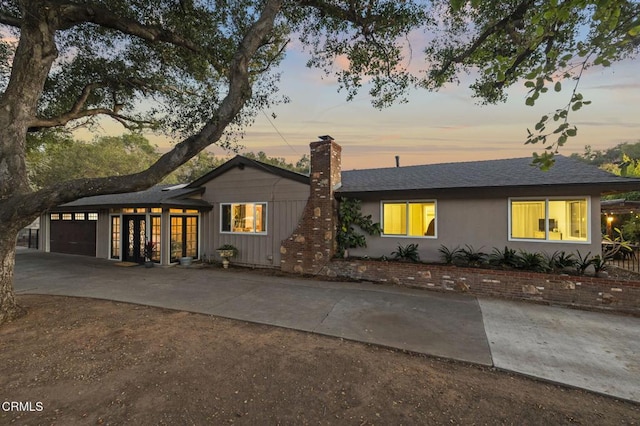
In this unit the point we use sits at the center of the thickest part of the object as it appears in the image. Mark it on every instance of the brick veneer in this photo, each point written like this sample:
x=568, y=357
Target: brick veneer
x=313, y=243
x=569, y=290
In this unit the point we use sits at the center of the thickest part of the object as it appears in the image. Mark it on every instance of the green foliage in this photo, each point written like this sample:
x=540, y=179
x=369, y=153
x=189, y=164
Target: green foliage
x=507, y=258
x=472, y=257
x=301, y=166
x=229, y=247
x=599, y=264
x=583, y=262
x=532, y=261
x=350, y=217
x=149, y=249
x=617, y=246
x=560, y=261
x=447, y=255
x=630, y=230
x=545, y=44
x=622, y=160
x=56, y=157
x=195, y=168
x=408, y=253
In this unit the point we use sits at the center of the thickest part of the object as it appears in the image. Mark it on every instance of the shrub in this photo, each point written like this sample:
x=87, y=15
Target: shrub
x=448, y=256
x=532, y=261
x=507, y=258
x=472, y=257
x=583, y=263
x=599, y=264
x=560, y=261
x=408, y=253
x=350, y=217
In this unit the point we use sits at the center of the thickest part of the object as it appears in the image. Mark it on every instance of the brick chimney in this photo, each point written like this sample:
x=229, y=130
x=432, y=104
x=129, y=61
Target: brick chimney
x=313, y=243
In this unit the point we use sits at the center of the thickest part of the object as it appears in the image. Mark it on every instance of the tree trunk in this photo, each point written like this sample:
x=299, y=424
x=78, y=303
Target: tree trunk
x=9, y=309
x=32, y=62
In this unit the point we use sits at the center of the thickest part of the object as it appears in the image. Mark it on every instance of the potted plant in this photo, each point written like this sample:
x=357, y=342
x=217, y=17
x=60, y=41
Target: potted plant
x=226, y=252
x=149, y=249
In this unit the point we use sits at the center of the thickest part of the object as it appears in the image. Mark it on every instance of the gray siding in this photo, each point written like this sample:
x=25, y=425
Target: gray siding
x=285, y=200
x=480, y=222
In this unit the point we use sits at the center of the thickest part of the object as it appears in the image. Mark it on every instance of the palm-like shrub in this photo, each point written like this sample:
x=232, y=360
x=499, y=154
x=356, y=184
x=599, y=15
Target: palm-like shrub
x=408, y=253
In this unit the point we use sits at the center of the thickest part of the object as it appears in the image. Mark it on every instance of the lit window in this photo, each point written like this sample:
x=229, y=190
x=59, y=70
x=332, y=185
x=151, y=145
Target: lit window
x=67, y=216
x=92, y=216
x=55, y=216
x=115, y=237
x=244, y=218
x=408, y=218
x=80, y=216
x=184, y=237
x=550, y=220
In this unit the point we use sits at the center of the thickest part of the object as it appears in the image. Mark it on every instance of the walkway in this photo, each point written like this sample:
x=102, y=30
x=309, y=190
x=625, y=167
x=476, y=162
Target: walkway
x=590, y=350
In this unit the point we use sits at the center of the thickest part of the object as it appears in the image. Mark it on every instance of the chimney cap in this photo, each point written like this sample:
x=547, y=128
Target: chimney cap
x=325, y=138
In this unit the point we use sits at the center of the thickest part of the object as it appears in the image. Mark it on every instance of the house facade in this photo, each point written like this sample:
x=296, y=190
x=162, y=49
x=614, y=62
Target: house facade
x=254, y=206
x=246, y=203
x=484, y=205
x=282, y=219
x=120, y=226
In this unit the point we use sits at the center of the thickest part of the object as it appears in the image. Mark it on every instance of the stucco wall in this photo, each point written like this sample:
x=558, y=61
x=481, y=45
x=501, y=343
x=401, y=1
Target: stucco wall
x=480, y=221
x=285, y=200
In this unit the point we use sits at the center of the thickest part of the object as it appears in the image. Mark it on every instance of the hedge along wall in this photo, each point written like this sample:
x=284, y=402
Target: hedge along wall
x=578, y=291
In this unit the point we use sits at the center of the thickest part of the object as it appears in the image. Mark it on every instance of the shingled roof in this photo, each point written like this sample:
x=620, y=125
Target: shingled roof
x=156, y=196
x=515, y=172
x=241, y=162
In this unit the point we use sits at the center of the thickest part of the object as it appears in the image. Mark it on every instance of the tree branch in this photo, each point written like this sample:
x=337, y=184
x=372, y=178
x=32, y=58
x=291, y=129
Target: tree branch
x=74, y=14
x=502, y=24
x=63, y=119
x=239, y=92
x=10, y=20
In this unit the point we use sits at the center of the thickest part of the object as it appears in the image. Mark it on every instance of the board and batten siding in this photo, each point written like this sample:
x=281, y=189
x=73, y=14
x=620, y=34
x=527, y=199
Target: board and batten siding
x=285, y=200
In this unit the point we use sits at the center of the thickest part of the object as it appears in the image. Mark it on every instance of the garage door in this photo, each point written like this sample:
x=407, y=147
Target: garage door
x=73, y=233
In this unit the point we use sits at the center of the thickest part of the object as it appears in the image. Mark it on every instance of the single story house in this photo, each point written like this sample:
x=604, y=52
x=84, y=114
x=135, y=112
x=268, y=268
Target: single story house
x=281, y=219
x=243, y=202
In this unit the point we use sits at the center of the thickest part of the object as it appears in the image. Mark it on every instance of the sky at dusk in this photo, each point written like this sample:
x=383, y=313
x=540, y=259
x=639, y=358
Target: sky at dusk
x=446, y=126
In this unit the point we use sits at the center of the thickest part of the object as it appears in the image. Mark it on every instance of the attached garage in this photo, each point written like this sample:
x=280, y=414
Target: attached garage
x=73, y=233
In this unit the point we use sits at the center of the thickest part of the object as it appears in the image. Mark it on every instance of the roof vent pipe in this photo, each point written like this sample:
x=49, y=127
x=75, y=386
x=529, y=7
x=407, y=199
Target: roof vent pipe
x=397, y=161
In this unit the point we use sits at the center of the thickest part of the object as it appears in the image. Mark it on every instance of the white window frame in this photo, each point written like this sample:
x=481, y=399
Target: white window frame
x=546, y=200
x=255, y=203
x=407, y=202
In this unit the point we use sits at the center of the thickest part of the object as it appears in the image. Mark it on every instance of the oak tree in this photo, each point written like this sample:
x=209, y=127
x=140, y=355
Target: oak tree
x=201, y=69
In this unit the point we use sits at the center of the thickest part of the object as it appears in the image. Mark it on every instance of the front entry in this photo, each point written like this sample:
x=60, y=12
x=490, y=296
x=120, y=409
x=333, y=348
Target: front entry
x=134, y=238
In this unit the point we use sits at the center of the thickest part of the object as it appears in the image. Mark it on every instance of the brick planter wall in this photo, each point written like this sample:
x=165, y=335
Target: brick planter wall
x=568, y=290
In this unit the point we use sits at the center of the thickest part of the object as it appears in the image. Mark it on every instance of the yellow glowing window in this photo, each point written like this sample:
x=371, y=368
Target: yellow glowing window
x=550, y=220
x=412, y=219
x=244, y=218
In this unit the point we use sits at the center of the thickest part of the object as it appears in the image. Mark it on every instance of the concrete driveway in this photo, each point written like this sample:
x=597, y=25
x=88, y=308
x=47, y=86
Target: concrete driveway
x=595, y=351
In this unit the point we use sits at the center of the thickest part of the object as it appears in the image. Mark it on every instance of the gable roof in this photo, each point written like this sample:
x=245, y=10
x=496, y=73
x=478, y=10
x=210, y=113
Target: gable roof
x=515, y=172
x=242, y=162
x=156, y=196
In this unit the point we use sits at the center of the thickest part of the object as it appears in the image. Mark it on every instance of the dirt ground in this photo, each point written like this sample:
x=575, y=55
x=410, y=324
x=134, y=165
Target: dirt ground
x=81, y=361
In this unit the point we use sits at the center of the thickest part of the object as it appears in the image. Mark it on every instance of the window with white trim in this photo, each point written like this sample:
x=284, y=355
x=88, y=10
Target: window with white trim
x=409, y=218
x=243, y=218
x=549, y=219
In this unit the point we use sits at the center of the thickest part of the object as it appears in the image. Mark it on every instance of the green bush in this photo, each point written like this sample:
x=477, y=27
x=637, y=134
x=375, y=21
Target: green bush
x=448, y=256
x=472, y=257
x=408, y=253
x=507, y=258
